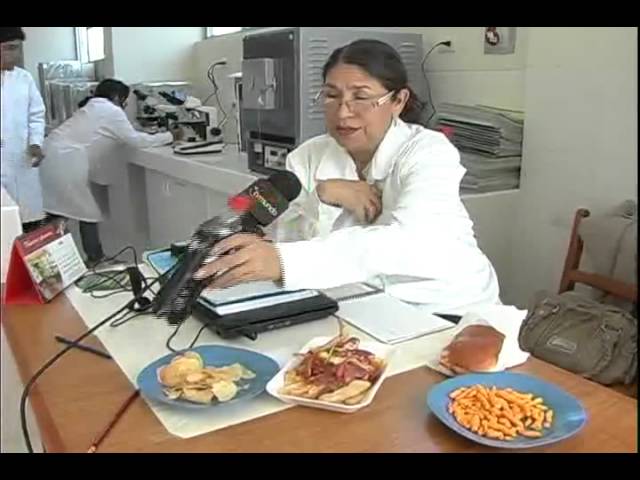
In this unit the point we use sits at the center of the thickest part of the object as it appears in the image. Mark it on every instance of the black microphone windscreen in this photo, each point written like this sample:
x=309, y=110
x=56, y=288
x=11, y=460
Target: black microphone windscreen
x=286, y=183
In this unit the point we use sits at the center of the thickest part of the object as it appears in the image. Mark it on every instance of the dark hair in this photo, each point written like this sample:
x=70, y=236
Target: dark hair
x=110, y=89
x=9, y=34
x=382, y=62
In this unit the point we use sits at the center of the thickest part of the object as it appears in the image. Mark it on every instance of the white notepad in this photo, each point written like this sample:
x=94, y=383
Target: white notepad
x=390, y=320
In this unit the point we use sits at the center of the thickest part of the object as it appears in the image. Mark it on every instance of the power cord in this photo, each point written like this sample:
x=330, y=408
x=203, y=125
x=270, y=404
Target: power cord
x=446, y=43
x=193, y=342
x=175, y=332
x=108, y=277
x=124, y=318
x=111, y=276
x=113, y=257
x=171, y=337
x=216, y=90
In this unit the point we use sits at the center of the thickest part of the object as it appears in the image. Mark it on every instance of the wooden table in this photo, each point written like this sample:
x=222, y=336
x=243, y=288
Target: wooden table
x=76, y=399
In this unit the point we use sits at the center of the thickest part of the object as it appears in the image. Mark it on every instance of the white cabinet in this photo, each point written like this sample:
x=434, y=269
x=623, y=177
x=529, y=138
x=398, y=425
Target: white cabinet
x=175, y=208
x=494, y=217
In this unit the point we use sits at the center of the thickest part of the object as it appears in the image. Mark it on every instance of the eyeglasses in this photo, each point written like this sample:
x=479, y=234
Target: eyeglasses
x=358, y=106
x=10, y=47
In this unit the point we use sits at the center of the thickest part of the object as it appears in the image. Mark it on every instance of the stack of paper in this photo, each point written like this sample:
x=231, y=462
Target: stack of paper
x=490, y=144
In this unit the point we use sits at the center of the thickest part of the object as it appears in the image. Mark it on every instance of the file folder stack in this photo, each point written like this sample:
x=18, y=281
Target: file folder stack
x=490, y=143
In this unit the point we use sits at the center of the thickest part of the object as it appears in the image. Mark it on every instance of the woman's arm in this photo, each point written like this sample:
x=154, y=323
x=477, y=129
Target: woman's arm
x=120, y=128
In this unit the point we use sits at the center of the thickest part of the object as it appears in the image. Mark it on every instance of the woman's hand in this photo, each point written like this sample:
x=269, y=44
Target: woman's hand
x=358, y=197
x=35, y=151
x=241, y=258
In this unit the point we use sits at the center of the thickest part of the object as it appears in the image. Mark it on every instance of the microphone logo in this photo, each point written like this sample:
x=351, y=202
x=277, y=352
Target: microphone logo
x=255, y=193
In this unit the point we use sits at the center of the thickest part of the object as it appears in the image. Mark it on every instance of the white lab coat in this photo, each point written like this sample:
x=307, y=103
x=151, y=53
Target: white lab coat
x=84, y=141
x=422, y=247
x=22, y=124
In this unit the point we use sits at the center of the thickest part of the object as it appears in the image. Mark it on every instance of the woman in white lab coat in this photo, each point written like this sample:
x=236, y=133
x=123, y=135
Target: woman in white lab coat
x=90, y=135
x=22, y=123
x=380, y=199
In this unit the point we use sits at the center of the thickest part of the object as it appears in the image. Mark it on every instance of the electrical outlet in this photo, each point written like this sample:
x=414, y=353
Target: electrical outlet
x=499, y=40
x=445, y=48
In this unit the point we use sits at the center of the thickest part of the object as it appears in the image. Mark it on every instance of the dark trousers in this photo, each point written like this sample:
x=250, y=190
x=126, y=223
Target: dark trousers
x=91, y=244
x=89, y=236
x=31, y=226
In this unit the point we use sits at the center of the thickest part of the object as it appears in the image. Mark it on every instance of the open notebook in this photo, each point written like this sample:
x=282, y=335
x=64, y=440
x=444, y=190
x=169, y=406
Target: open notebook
x=390, y=320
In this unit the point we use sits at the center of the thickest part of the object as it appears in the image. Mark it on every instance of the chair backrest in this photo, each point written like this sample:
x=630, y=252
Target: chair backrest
x=572, y=273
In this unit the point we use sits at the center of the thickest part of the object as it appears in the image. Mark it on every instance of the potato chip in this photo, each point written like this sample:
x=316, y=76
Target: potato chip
x=224, y=390
x=197, y=395
x=196, y=377
x=186, y=377
x=172, y=393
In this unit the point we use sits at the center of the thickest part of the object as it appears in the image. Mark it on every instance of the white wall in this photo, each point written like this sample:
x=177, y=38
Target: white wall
x=46, y=44
x=134, y=54
x=154, y=53
x=213, y=49
x=206, y=53
x=105, y=68
x=468, y=75
x=580, y=146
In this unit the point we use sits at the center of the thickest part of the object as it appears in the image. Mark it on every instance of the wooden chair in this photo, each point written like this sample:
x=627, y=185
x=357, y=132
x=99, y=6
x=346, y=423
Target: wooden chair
x=572, y=275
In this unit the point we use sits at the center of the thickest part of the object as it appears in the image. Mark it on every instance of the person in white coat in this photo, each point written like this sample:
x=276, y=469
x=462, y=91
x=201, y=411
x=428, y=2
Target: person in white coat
x=90, y=135
x=380, y=199
x=23, y=125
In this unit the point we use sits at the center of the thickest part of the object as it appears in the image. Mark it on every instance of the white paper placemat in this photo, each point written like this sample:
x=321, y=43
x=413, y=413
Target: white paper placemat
x=142, y=340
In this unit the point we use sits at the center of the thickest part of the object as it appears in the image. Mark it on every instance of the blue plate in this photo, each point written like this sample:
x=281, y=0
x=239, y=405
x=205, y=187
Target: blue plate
x=264, y=367
x=568, y=414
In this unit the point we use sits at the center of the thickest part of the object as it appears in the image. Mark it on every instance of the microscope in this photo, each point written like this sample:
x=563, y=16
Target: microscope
x=199, y=122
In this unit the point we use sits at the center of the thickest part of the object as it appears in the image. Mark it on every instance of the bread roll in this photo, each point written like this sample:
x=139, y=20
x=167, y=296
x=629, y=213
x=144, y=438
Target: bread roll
x=475, y=348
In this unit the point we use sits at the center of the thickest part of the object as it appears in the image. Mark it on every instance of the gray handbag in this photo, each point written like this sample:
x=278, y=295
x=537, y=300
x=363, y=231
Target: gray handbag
x=592, y=339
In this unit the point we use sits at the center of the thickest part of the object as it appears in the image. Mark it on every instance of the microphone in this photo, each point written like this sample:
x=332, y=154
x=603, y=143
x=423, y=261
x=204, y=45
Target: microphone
x=257, y=206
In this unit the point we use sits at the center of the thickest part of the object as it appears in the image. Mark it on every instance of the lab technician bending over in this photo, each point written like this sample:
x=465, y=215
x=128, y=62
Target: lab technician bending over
x=380, y=199
x=90, y=135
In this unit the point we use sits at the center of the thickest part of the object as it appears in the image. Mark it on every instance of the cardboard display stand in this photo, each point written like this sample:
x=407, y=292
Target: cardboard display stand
x=43, y=263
